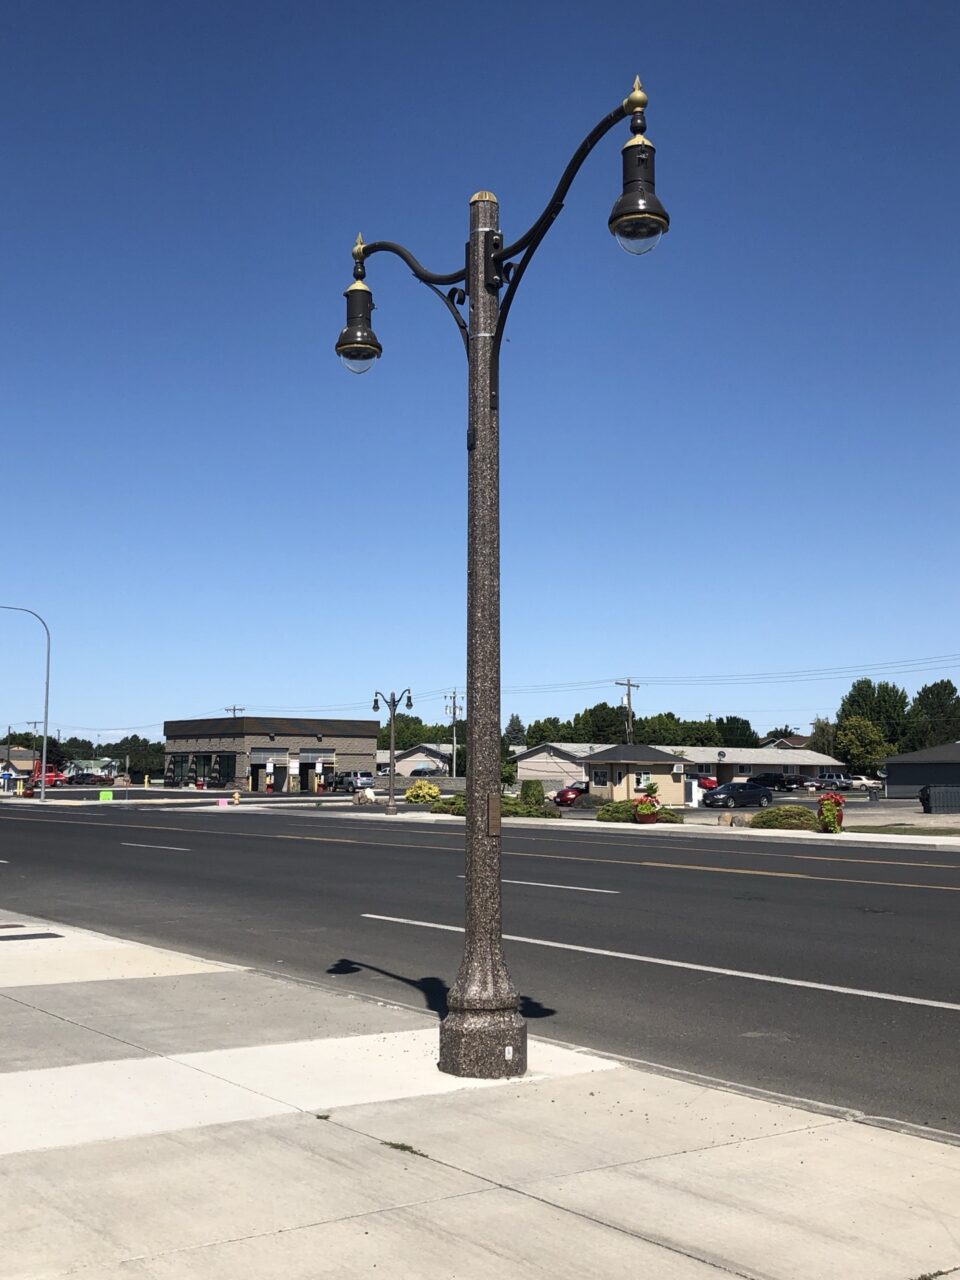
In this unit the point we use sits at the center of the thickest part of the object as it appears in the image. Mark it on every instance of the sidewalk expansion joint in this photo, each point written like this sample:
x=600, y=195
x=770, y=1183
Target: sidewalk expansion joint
x=283, y=1231
x=494, y=1184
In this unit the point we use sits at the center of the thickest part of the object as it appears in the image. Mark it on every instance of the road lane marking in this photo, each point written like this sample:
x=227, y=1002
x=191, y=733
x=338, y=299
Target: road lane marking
x=542, y=884
x=686, y=964
x=555, y=857
x=173, y=848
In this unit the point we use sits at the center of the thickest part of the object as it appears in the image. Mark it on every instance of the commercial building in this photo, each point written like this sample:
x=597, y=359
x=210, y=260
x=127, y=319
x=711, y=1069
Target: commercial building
x=265, y=752
x=933, y=766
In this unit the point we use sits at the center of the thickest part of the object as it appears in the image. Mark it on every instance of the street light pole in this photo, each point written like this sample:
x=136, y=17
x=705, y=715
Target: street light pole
x=483, y=1034
x=46, y=695
x=392, y=703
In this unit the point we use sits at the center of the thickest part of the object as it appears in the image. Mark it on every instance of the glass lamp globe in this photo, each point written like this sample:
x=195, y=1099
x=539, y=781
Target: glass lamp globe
x=639, y=234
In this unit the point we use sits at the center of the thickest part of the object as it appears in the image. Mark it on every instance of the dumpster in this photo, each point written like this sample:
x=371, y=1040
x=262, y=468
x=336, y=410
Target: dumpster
x=943, y=799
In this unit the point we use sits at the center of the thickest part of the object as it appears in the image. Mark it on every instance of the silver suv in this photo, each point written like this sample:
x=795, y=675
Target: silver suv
x=356, y=780
x=837, y=781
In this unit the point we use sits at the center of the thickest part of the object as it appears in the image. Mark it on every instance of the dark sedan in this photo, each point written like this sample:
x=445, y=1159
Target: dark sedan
x=736, y=795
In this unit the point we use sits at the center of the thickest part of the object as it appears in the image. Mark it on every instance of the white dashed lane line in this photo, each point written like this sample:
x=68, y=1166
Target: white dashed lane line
x=542, y=884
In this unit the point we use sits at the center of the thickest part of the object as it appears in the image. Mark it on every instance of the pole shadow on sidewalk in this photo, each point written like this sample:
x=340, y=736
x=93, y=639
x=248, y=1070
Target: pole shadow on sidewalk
x=433, y=990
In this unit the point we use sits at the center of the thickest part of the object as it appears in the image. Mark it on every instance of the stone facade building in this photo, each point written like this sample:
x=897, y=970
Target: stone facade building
x=265, y=752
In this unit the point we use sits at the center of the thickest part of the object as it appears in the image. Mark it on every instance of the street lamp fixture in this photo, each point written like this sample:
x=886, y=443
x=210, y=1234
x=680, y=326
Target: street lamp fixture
x=392, y=703
x=16, y=608
x=357, y=345
x=483, y=1034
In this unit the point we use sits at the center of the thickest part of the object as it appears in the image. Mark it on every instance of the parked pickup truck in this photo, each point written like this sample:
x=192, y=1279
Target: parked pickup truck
x=52, y=778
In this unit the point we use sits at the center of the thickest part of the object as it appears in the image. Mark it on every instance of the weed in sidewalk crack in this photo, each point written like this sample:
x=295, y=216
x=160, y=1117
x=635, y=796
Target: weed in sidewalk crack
x=404, y=1146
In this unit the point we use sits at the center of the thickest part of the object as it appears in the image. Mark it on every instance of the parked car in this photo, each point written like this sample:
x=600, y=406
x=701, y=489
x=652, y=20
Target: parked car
x=354, y=780
x=427, y=771
x=801, y=782
x=706, y=783
x=859, y=782
x=836, y=782
x=735, y=795
x=570, y=795
x=775, y=781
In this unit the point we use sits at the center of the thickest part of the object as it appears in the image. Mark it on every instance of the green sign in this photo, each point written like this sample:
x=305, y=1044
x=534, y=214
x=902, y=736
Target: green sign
x=106, y=795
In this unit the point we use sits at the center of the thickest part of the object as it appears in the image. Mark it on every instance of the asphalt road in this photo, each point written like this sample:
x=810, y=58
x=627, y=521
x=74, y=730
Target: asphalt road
x=668, y=949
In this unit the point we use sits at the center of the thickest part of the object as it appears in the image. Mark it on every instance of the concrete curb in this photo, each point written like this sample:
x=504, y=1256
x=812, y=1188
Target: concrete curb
x=629, y=831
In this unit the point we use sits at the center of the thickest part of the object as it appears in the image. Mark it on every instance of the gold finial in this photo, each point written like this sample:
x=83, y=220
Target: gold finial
x=637, y=99
x=358, y=248
x=478, y=196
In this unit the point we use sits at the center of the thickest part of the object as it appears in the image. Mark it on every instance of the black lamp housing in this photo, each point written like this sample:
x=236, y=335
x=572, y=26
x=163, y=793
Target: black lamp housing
x=357, y=345
x=638, y=219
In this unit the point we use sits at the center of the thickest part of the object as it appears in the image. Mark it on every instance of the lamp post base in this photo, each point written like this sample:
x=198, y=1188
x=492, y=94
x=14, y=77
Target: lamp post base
x=391, y=809
x=483, y=1044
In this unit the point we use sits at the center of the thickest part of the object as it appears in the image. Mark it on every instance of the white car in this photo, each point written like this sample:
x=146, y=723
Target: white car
x=860, y=783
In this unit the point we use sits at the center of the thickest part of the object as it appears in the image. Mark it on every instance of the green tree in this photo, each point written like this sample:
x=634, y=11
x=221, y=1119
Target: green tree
x=77, y=748
x=824, y=737
x=410, y=730
x=599, y=723
x=699, y=733
x=883, y=704
x=736, y=732
x=549, y=730
x=145, y=756
x=515, y=733
x=890, y=710
x=933, y=717
x=861, y=744
x=783, y=731
x=664, y=728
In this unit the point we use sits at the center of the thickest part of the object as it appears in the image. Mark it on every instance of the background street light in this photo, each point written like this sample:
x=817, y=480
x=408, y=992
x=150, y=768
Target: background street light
x=46, y=695
x=483, y=1033
x=392, y=703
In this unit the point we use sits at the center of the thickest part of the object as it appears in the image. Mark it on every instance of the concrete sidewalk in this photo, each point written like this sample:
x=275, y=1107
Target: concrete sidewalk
x=163, y=1117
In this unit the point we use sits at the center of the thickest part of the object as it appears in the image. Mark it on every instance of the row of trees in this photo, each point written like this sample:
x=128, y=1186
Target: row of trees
x=145, y=756
x=876, y=720
x=604, y=723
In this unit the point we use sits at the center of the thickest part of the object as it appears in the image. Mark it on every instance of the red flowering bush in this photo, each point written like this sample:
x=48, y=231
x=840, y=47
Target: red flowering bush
x=830, y=812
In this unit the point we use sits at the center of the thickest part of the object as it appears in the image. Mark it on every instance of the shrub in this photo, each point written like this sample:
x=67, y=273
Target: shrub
x=669, y=815
x=510, y=807
x=616, y=811
x=422, y=792
x=786, y=817
x=587, y=801
x=531, y=791
x=456, y=805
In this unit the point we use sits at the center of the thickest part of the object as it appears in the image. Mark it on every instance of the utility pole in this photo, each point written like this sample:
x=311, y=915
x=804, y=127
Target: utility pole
x=234, y=709
x=454, y=709
x=34, y=725
x=630, y=685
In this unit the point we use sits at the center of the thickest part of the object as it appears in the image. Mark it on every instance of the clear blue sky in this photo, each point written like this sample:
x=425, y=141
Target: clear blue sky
x=739, y=454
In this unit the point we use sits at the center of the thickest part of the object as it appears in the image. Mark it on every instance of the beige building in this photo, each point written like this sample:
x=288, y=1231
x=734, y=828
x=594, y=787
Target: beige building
x=622, y=772
x=555, y=764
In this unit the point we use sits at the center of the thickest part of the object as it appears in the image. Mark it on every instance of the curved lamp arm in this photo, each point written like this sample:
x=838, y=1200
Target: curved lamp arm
x=363, y=251
x=530, y=240
x=431, y=279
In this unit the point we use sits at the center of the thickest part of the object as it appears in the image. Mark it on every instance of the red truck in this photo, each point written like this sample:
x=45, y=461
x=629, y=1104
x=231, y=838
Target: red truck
x=52, y=778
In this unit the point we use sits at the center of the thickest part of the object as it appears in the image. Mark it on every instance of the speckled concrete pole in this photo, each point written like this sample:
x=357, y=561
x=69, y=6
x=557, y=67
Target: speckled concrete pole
x=483, y=1034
